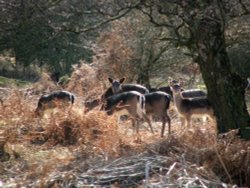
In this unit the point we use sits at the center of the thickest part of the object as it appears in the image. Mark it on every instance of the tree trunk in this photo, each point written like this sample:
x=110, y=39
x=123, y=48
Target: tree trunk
x=225, y=87
x=143, y=77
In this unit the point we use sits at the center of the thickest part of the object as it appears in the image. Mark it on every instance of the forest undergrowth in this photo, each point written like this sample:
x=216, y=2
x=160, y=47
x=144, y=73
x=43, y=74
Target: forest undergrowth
x=74, y=149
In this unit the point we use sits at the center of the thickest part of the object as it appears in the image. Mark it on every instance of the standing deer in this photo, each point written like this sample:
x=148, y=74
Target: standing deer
x=116, y=87
x=193, y=93
x=131, y=101
x=53, y=100
x=157, y=103
x=190, y=106
x=190, y=93
x=141, y=107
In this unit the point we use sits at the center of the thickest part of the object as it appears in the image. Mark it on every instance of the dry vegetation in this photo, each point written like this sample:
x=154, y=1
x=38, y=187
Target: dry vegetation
x=74, y=149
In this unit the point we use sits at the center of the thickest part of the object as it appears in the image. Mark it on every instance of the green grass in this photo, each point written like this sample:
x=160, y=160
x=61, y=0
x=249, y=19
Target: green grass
x=7, y=82
x=201, y=86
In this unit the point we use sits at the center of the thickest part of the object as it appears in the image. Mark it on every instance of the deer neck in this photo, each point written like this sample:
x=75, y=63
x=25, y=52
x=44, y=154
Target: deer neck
x=177, y=100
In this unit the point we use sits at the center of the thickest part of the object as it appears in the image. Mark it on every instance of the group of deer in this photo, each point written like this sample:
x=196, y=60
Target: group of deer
x=138, y=102
x=141, y=103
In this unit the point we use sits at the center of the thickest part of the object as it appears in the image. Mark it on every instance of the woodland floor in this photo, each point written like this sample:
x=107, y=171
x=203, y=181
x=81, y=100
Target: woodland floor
x=75, y=149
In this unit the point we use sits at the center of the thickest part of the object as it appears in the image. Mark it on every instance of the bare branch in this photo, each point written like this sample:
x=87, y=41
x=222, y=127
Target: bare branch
x=153, y=20
x=122, y=12
x=244, y=7
x=158, y=56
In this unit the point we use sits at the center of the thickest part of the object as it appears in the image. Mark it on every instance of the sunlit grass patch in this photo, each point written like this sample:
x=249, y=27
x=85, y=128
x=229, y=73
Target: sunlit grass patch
x=7, y=82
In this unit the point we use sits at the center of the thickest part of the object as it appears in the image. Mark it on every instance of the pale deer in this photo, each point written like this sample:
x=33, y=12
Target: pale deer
x=131, y=101
x=190, y=106
x=157, y=104
x=57, y=99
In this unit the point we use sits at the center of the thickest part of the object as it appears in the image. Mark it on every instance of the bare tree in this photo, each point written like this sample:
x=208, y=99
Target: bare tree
x=200, y=25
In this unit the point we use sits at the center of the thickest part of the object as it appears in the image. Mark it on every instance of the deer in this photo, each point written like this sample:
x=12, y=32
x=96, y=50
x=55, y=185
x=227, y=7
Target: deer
x=157, y=104
x=190, y=93
x=189, y=107
x=116, y=87
x=131, y=101
x=193, y=93
x=141, y=106
x=54, y=100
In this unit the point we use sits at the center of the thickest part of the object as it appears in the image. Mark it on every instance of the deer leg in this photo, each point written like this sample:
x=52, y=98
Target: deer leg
x=133, y=124
x=119, y=120
x=137, y=125
x=163, y=119
x=188, y=119
x=183, y=121
x=204, y=118
x=212, y=118
x=148, y=120
x=169, y=123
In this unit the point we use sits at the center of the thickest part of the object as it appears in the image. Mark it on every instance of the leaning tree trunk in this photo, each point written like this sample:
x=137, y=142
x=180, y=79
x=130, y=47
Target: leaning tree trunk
x=225, y=87
x=143, y=77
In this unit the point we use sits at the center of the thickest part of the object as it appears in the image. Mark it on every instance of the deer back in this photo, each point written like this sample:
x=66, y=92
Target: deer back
x=193, y=93
x=54, y=99
x=157, y=102
x=131, y=101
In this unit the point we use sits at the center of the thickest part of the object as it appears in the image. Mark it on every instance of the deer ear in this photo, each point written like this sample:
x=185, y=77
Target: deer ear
x=181, y=83
x=170, y=81
x=122, y=80
x=110, y=80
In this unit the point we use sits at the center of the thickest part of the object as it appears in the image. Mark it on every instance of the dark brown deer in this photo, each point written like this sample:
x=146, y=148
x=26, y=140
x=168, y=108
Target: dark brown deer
x=193, y=93
x=157, y=104
x=116, y=87
x=191, y=106
x=190, y=93
x=57, y=99
x=131, y=101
